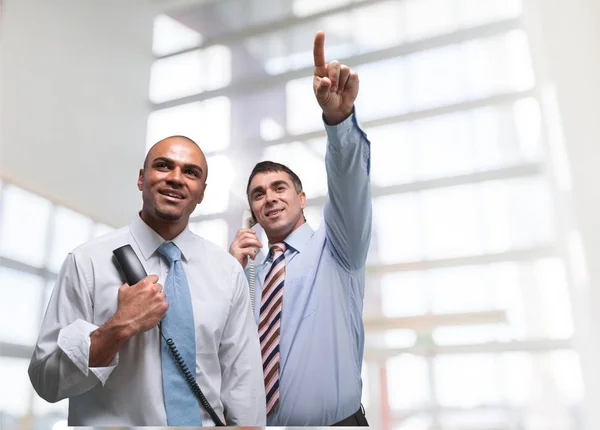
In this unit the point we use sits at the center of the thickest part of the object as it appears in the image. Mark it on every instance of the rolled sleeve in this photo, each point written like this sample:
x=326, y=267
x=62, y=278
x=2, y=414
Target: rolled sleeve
x=74, y=341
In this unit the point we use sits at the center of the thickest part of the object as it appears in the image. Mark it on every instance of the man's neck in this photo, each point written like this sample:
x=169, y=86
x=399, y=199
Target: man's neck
x=281, y=237
x=168, y=230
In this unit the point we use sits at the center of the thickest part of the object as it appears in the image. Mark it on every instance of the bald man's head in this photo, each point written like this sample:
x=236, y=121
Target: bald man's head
x=172, y=181
x=170, y=138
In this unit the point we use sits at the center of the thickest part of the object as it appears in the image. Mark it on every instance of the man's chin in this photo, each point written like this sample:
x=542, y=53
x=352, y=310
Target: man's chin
x=168, y=216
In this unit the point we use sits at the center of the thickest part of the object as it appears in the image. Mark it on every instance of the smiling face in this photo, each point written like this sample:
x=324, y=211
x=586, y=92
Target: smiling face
x=172, y=183
x=276, y=203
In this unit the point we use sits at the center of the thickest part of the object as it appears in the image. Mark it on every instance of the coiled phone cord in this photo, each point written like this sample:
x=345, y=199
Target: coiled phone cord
x=191, y=380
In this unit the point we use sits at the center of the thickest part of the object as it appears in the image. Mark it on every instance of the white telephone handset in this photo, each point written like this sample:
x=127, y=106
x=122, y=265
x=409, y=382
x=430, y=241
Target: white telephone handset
x=247, y=222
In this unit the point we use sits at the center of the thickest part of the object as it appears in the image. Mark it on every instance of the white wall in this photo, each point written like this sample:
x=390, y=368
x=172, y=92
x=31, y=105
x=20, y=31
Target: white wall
x=566, y=45
x=74, y=91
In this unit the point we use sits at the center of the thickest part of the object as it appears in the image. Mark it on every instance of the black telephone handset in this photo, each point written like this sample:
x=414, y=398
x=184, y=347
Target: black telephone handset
x=133, y=271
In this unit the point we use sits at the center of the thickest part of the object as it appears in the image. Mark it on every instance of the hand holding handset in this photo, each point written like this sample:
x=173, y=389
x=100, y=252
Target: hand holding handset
x=133, y=271
x=247, y=222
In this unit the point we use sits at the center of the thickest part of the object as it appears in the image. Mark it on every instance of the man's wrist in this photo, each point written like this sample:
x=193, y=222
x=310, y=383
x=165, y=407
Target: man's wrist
x=336, y=118
x=117, y=330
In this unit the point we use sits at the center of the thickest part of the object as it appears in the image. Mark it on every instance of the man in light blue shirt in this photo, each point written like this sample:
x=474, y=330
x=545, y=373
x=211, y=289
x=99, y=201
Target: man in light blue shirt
x=310, y=288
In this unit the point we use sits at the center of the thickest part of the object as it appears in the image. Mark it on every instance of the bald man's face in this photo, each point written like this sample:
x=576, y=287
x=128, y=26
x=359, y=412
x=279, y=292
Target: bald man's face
x=173, y=181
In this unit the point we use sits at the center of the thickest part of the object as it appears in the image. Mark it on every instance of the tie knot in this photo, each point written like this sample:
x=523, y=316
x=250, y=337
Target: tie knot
x=170, y=251
x=277, y=249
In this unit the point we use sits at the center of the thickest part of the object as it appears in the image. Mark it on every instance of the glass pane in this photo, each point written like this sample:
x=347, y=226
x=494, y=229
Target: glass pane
x=544, y=391
x=22, y=296
x=451, y=223
x=471, y=334
x=553, y=298
x=477, y=12
x=530, y=210
x=565, y=369
x=397, y=223
x=314, y=216
x=190, y=73
x=476, y=384
x=307, y=163
x=489, y=418
x=415, y=422
x=213, y=230
x=171, y=36
x=15, y=391
x=303, y=111
x=384, y=89
x=220, y=177
x=397, y=338
x=456, y=144
x=69, y=230
x=24, y=230
x=100, y=229
x=393, y=159
x=459, y=289
x=516, y=377
x=403, y=294
x=427, y=18
x=46, y=415
x=206, y=123
x=310, y=7
x=498, y=64
x=408, y=382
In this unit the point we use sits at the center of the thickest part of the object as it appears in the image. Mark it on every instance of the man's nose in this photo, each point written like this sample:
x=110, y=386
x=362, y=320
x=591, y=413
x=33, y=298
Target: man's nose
x=271, y=195
x=175, y=176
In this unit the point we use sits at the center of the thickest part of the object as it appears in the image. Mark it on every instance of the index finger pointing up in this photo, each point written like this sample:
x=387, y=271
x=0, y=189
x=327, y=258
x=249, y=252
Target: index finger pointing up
x=319, y=54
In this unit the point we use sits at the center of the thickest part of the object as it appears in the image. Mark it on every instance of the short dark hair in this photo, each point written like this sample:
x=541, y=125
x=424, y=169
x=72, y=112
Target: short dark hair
x=271, y=166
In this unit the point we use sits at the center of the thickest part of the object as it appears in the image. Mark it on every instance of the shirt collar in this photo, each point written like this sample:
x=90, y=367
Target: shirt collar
x=296, y=240
x=148, y=240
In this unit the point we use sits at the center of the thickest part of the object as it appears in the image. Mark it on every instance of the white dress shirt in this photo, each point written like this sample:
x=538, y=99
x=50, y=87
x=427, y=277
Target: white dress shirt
x=129, y=391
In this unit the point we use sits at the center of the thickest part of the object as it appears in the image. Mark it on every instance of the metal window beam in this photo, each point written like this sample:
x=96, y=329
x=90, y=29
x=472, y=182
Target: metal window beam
x=504, y=99
x=429, y=322
x=531, y=346
x=270, y=27
x=513, y=172
x=528, y=254
x=265, y=82
x=24, y=267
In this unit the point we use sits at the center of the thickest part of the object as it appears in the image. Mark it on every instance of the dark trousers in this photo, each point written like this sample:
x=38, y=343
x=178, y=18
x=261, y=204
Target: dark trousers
x=357, y=419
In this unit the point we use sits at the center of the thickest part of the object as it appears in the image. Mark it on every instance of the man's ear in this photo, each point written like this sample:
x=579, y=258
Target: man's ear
x=140, y=181
x=302, y=196
x=201, y=194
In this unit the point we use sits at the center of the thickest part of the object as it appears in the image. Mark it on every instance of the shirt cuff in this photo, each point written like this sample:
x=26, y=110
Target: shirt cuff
x=341, y=128
x=74, y=341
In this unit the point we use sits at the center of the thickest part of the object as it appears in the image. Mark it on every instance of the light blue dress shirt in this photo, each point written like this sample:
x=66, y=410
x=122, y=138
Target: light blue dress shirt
x=322, y=334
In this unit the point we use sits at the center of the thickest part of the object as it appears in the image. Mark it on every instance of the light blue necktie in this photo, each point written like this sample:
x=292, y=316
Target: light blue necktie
x=178, y=324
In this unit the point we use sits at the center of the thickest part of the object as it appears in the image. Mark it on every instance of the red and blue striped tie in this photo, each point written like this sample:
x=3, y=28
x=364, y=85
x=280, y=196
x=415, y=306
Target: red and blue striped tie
x=269, y=325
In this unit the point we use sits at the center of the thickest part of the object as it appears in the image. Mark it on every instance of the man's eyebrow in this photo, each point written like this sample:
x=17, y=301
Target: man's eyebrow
x=171, y=161
x=256, y=189
x=193, y=166
x=279, y=182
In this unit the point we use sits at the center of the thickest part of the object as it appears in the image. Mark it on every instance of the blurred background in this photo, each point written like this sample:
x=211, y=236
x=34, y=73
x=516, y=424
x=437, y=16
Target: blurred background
x=482, y=308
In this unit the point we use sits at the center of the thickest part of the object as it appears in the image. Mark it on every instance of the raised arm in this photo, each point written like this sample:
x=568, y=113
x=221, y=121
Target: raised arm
x=347, y=210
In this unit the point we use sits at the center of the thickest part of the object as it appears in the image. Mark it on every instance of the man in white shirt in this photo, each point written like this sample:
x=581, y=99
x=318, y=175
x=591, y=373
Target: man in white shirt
x=100, y=344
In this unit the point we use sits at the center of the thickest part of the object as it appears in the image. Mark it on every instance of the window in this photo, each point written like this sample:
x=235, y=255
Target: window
x=190, y=73
x=206, y=123
x=21, y=306
x=24, y=225
x=171, y=36
x=69, y=230
x=214, y=231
